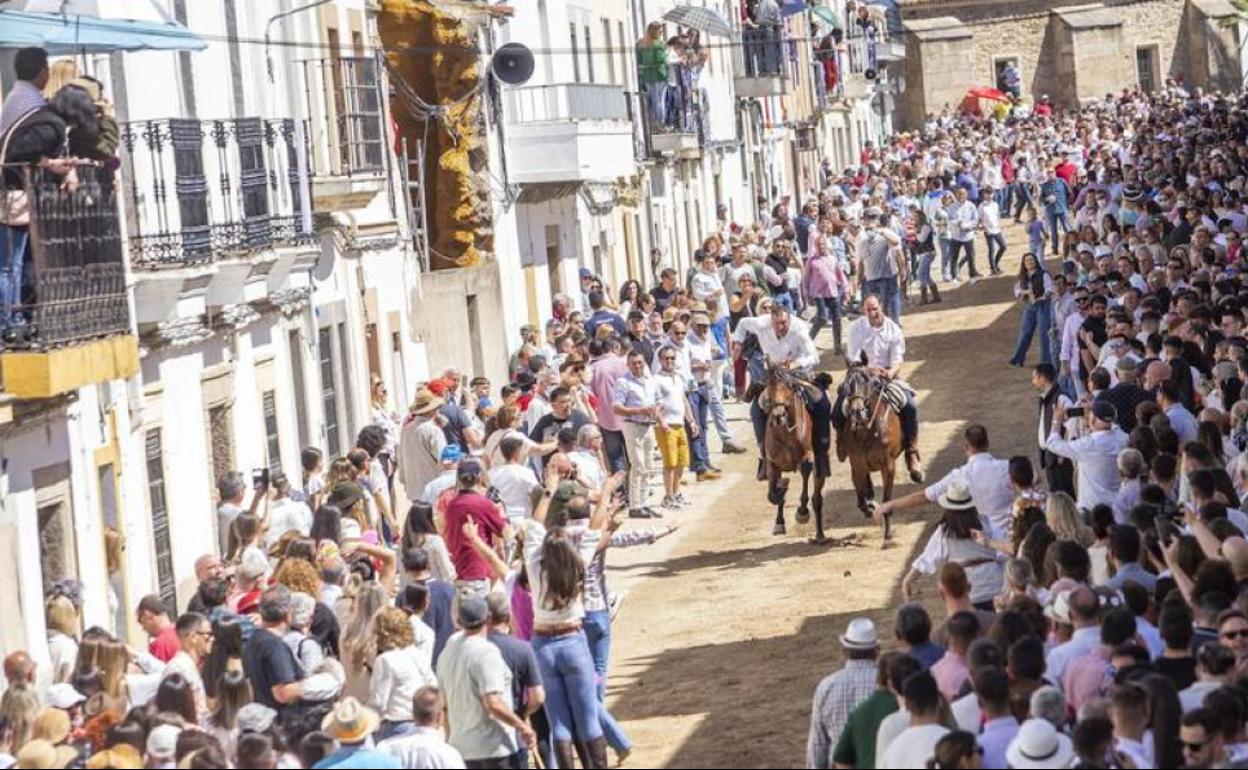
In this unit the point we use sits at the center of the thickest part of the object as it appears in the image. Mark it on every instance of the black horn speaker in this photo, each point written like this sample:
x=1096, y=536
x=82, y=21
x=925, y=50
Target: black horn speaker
x=513, y=64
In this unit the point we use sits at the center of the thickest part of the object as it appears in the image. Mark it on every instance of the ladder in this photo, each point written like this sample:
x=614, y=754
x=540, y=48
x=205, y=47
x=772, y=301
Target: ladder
x=413, y=171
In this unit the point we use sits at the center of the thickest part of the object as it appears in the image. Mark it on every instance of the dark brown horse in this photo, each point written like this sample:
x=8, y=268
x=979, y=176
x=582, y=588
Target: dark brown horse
x=870, y=437
x=787, y=447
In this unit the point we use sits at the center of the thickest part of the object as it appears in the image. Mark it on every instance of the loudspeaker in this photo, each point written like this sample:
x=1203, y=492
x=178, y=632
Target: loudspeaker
x=513, y=64
x=869, y=74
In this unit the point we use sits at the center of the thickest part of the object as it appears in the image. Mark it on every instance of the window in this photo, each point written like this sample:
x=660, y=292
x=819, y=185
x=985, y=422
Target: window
x=220, y=441
x=589, y=54
x=55, y=532
x=162, y=547
x=272, y=441
x=554, y=274
x=359, y=121
x=576, y=54
x=296, y=376
x=253, y=181
x=344, y=367
x=606, y=43
x=329, y=395
x=1145, y=68
x=186, y=138
x=624, y=51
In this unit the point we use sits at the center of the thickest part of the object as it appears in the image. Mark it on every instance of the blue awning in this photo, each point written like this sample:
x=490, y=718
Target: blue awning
x=77, y=33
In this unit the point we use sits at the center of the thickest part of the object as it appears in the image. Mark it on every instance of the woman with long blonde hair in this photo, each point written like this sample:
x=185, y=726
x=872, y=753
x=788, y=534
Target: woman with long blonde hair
x=61, y=619
x=359, y=645
x=1062, y=516
x=60, y=72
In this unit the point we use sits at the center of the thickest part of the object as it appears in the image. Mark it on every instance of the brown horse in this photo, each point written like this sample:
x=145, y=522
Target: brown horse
x=870, y=437
x=787, y=447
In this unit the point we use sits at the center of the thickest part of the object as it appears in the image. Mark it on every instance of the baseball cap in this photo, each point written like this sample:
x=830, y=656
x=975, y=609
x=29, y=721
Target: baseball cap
x=254, y=718
x=1104, y=411
x=62, y=695
x=451, y=453
x=469, y=468
x=162, y=742
x=473, y=612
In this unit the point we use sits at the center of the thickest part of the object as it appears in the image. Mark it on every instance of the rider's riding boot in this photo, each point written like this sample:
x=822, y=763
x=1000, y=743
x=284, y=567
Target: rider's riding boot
x=762, y=469
x=914, y=464
x=922, y=295
x=565, y=753
x=598, y=753
x=935, y=294
x=841, y=451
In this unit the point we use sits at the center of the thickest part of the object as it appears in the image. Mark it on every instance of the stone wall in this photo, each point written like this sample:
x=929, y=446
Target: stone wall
x=1070, y=52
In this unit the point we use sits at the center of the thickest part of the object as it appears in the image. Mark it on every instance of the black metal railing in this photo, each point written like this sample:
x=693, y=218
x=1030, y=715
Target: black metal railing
x=674, y=107
x=345, y=107
x=762, y=52
x=638, y=118
x=76, y=287
x=201, y=190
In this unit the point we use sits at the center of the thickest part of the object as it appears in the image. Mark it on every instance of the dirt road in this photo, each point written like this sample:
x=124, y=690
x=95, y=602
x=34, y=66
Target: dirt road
x=725, y=630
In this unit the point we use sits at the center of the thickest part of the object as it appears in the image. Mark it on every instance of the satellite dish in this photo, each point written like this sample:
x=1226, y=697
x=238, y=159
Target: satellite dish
x=513, y=64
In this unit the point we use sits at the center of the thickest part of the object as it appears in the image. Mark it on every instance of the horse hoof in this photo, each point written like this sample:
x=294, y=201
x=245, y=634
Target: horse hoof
x=917, y=476
x=803, y=515
x=778, y=529
x=819, y=539
x=888, y=526
x=868, y=508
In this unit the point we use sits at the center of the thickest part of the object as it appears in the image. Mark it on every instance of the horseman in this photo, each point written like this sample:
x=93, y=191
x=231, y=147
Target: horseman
x=784, y=342
x=879, y=341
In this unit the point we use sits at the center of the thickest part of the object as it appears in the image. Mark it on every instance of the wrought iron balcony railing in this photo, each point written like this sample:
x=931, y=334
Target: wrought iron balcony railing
x=77, y=282
x=200, y=190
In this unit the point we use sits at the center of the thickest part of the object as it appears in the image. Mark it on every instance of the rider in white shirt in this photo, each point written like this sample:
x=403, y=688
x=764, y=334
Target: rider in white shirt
x=877, y=340
x=784, y=341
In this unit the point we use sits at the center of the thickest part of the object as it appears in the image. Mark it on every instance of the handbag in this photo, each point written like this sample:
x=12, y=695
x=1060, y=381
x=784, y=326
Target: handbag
x=14, y=204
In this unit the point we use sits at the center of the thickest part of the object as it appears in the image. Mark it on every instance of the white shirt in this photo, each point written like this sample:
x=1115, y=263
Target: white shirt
x=671, y=387
x=704, y=286
x=397, y=675
x=440, y=484
x=1082, y=641
x=962, y=221
x=184, y=665
x=515, y=484
x=701, y=355
x=1183, y=422
x=589, y=470
x=990, y=216
x=285, y=515
x=1139, y=752
x=988, y=480
x=913, y=748
x=885, y=345
x=1096, y=462
x=423, y=747
x=893, y=725
x=967, y=714
x=796, y=346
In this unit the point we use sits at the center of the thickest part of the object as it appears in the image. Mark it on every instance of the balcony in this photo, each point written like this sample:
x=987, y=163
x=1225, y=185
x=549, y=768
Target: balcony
x=347, y=131
x=760, y=62
x=675, y=121
x=73, y=320
x=203, y=191
x=569, y=132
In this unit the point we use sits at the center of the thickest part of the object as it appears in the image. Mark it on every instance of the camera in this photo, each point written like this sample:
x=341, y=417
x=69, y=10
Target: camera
x=260, y=478
x=1076, y=411
x=493, y=495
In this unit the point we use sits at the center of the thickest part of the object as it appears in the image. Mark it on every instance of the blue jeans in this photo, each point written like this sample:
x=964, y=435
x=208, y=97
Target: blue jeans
x=1035, y=320
x=956, y=250
x=613, y=447
x=598, y=635
x=995, y=255
x=1053, y=218
x=1022, y=199
x=923, y=274
x=12, y=259
x=656, y=97
x=718, y=417
x=700, y=455
x=827, y=310
x=946, y=258
x=567, y=670
x=888, y=292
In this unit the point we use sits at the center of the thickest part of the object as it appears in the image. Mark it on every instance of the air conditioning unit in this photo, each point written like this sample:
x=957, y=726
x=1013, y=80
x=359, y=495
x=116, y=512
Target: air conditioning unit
x=806, y=138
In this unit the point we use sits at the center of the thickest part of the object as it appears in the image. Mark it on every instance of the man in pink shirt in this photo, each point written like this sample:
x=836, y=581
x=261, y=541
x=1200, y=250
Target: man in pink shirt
x=951, y=672
x=606, y=366
x=1090, y=676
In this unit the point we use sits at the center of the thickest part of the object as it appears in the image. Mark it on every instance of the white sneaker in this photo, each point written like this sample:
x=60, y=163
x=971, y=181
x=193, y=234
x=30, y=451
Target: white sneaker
x=681, y=500
x=670, y=504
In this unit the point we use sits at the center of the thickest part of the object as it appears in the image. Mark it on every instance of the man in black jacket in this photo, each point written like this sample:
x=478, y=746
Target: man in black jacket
x=1059, y=472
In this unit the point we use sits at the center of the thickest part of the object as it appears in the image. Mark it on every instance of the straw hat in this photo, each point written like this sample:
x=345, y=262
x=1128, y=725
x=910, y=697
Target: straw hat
x=44, y=755
x=425, y=402
x=350, y=722
x=956, y=498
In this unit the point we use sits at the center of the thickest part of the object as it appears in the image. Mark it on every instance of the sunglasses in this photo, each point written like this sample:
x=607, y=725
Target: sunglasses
x=1194, y=747
x=1240, y=634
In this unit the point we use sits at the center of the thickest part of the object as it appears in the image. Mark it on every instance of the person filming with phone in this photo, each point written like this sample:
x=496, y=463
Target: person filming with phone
x=1095, y=454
